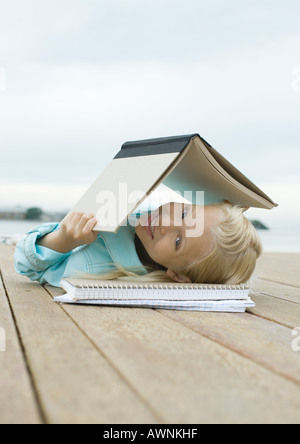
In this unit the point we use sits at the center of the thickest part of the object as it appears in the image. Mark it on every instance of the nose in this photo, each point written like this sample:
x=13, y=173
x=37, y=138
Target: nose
x=166, y=223
x=163, y=229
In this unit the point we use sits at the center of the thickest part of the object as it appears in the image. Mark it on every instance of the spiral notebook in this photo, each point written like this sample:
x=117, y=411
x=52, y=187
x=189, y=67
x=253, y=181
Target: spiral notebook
x=173, y=296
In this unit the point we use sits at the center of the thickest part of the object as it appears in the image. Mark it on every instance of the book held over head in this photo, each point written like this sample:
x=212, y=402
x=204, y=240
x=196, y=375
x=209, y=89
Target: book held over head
x=185, y=164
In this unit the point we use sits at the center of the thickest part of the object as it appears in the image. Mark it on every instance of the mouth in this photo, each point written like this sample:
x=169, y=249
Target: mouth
x=149, y=228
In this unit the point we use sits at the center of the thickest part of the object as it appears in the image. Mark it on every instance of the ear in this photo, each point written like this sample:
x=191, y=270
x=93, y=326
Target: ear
x=178, y=277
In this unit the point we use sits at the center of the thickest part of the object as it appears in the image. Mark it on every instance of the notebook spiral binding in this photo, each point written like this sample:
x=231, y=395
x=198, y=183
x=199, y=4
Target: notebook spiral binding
x=165, y=287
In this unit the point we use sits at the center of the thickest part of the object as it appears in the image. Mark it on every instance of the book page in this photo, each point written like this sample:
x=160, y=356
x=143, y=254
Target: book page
x=124, y=184
x=199, y=171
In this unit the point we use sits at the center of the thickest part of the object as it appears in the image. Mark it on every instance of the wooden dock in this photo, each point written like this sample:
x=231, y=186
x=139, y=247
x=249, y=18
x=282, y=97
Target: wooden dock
x=83, y=364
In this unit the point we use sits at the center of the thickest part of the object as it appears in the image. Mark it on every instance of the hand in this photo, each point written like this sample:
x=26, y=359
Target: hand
x=75, y=230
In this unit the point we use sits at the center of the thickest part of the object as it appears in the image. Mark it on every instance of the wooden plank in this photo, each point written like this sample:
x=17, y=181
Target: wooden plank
x=282, y=268
x=183, y=375
x=18, y=404
x=262, y=341
x=275, y=309
x=275, y=288
x=280, y=291
x=74, y=382
x=6, y=251
x=275, y=301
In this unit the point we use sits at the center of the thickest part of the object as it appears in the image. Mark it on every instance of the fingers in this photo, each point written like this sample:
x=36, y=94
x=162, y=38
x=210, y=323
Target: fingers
x=83, y=222
x=76, y=229
x=80, y=222
x=90, y=224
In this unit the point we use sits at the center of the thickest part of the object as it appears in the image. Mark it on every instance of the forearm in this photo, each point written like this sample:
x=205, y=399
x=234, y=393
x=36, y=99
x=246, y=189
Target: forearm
x=48, y=264
x=38, y=263
x=56, y=242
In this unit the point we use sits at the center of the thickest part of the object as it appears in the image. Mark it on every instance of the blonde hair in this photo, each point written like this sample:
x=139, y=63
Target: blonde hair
x=237, y=246
x=235, y=249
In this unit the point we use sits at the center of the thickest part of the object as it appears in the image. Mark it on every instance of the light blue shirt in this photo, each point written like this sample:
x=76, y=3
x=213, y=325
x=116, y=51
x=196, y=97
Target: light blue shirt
x=48, y=266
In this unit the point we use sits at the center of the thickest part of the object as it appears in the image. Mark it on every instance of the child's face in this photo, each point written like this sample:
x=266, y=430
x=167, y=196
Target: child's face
x=176, y=235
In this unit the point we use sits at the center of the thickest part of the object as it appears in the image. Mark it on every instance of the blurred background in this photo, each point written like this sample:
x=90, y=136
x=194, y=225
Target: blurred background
x=78, y=78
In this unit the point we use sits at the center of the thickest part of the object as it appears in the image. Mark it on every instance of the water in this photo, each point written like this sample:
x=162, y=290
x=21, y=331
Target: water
x=275, y=240
x=15, y=227
x=11, y=231
x=280, y=240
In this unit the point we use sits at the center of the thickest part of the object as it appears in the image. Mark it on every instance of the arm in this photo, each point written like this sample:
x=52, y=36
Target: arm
x=44, y=253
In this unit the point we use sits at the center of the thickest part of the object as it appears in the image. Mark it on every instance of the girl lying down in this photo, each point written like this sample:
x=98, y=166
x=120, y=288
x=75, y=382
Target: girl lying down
x=163, y=246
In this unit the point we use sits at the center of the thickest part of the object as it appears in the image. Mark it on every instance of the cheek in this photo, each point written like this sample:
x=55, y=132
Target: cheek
x=159, y=251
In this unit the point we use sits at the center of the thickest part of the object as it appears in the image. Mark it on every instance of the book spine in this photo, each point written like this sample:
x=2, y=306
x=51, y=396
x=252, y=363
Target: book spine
x=155, y=146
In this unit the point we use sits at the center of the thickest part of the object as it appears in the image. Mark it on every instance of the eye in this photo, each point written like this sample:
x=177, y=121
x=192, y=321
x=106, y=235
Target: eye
x=184, y=214
x=178, y=242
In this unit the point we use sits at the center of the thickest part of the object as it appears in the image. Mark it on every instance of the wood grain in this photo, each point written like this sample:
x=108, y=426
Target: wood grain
x=88, y=364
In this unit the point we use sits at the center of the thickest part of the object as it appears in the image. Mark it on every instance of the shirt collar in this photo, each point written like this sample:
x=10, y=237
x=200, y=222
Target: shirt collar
x=121, y=248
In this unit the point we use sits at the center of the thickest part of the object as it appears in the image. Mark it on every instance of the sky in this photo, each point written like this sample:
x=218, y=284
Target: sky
x=78, y=78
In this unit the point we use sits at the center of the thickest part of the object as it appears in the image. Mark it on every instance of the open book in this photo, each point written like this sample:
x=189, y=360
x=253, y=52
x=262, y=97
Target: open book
x=186, y=164
x=196, y=297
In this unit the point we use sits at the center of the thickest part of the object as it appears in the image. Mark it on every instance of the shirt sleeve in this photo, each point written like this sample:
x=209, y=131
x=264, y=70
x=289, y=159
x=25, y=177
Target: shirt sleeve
x=39, y=263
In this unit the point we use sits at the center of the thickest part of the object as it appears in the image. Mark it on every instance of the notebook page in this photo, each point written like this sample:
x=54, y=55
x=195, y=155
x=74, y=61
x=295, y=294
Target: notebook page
x=212, y=306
